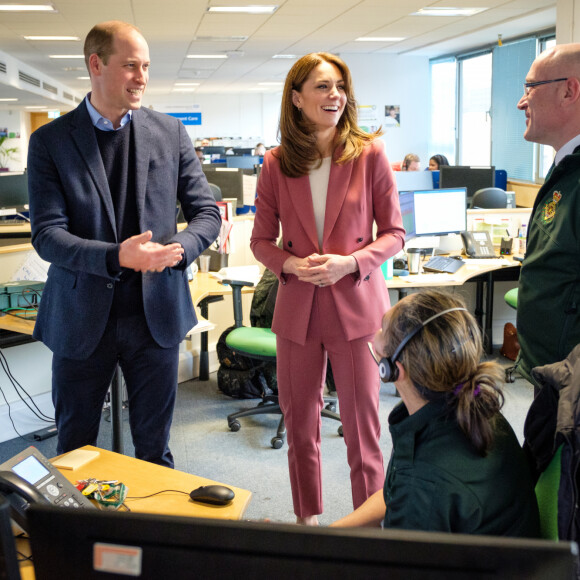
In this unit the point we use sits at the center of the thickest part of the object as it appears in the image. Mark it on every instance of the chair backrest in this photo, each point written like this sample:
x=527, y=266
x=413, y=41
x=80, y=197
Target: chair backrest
x=547, y=496
x=489, y=198
x=216, y=190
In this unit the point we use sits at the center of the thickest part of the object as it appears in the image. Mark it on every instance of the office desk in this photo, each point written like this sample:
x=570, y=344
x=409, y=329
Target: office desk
x=143, y=478
x=15, y=231
x=482, y=272
x=206, y=289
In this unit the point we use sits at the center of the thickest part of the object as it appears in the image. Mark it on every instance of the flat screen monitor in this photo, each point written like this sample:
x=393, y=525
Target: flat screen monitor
x=14, y=190
x=472, y=178
x=69, y=543
x=440, y=211
x=414, y=180
x=243, y=161
x=243, y=150
x=8, y=560
x=229, y=180
x=214, y=150
x=406, y=201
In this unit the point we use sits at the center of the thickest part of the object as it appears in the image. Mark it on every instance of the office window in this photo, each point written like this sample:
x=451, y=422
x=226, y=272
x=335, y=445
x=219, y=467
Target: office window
x=510, y=151
x=443, y=108
x=474, y=106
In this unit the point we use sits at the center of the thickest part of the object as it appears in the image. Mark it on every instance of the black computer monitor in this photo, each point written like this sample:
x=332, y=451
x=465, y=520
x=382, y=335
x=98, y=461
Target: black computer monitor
x=8, y=561
x=229, y=180
x=14, y=190
x=406, y=201
x=440, y=211
x=472, y=178
x=69, y=543
x=214, y=150
x=243, y=150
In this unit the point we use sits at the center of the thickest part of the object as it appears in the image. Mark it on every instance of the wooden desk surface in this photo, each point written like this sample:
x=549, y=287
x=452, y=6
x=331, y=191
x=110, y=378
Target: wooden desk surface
x=143, y=478
x=471, y=269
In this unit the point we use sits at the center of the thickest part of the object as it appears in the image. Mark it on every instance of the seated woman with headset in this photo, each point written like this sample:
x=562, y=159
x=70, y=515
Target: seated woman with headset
x=456, y=465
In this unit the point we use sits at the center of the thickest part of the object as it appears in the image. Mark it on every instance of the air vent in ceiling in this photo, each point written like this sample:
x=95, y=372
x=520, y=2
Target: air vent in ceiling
x=2, y=67
x=25, y=78
x=50, y=88
x=68, y=96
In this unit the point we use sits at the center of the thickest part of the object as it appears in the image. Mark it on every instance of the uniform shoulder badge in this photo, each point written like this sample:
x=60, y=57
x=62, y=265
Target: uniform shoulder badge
x=549, y=212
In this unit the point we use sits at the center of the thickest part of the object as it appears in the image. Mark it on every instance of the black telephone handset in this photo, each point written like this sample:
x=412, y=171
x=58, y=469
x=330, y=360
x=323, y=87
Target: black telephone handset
x=478, y=244
x=29, y=477
x=19, y=494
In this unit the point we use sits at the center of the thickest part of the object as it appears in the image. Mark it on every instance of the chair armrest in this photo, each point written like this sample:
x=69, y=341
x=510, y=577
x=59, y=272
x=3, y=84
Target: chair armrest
x=237, y=286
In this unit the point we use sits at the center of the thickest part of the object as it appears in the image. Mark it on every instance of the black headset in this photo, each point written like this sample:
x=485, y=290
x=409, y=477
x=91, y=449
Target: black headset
x=388, y=370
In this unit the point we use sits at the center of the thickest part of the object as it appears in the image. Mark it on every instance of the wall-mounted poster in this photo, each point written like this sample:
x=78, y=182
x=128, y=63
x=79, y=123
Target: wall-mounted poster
x=392, y=116
x=368, y=118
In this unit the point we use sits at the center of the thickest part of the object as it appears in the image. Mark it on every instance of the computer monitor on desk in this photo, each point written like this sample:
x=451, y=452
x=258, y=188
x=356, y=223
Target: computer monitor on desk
x=413, y=180
x=14, y=191
x=69, y=543
x=438, y=213
x=472, y=178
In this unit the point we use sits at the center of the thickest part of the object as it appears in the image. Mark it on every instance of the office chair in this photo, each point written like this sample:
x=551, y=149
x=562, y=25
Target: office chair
x=489, y=198
x=216, y=190
x=547, y=495
x=260, y=344
x=511, y=298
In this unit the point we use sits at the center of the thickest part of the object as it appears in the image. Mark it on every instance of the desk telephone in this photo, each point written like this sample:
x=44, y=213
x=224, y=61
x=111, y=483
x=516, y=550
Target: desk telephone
x=29, y=477
x=478, y=244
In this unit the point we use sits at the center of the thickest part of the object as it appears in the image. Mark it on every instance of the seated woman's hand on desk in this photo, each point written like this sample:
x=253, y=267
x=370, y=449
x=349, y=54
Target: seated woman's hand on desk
x=321, y=270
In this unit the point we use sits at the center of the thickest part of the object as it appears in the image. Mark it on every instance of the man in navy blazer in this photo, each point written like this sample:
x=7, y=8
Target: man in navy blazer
x=104, y=181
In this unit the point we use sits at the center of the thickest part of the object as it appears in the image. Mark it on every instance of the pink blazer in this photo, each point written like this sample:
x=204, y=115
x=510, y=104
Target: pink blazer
x=359, y=193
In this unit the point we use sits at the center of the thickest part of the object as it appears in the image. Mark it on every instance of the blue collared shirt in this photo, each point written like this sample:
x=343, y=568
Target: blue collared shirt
x=101, y=122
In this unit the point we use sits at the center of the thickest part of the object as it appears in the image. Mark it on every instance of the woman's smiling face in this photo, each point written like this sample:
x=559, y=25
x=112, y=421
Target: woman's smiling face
x=322, y=98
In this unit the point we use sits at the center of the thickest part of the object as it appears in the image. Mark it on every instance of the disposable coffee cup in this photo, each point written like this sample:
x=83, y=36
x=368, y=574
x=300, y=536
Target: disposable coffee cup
x=204, y=263
x=414, y=260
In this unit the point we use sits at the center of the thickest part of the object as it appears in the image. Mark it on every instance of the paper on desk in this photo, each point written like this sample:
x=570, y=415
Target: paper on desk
x=244, y=273
x=32, y=268
x=250, y=185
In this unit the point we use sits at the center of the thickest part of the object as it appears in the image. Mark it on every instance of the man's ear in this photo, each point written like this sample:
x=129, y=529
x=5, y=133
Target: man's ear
x=572, y=95
x=95, y=64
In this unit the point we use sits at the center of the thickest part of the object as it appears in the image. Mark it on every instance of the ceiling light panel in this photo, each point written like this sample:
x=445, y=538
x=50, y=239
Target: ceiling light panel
x=251, y=9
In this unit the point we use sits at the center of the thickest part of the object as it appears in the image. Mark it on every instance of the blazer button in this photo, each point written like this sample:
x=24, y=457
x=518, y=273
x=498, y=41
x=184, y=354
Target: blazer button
x=359, y=240
x=289, y=244
x=109, y=285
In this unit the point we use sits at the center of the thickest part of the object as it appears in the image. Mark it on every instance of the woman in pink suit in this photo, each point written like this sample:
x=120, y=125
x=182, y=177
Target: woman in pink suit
x=325, y=185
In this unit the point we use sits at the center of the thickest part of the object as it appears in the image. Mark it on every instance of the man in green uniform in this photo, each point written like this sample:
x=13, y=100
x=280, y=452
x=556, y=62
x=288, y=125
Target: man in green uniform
x=549, y=290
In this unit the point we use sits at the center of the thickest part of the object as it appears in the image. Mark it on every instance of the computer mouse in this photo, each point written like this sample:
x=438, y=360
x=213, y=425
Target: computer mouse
x=457, y=257
x=213, y=494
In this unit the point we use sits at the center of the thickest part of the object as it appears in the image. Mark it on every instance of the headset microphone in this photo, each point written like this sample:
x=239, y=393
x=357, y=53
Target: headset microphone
x=388, y=370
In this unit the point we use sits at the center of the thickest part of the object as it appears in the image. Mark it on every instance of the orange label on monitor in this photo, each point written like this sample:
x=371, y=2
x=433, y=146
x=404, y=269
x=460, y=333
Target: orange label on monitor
x=117, y=559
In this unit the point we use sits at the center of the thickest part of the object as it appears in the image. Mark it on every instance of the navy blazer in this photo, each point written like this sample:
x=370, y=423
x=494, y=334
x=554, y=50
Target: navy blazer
x=73, y=226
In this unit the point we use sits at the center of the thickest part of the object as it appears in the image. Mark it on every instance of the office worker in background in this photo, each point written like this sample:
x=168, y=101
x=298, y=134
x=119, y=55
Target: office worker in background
x=102, y=206
x=437, y=161
x=411, y=163
x=325, y=185
x=456, y=465
x=199, y=153
x=260, y=150
x=548, y=315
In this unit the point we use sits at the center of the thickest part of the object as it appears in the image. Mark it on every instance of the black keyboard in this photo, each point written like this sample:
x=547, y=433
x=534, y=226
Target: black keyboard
x=443, y=264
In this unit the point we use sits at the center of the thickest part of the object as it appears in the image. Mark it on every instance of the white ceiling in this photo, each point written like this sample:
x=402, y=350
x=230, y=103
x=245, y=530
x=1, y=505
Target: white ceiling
x=176, y=28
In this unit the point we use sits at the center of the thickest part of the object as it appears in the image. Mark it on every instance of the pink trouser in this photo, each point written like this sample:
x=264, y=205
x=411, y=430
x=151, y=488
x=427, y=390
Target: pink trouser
x=301, y=374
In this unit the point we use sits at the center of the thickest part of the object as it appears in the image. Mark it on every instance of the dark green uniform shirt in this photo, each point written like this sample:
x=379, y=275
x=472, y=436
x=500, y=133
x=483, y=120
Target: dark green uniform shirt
x=548, y=319
x=437, y=481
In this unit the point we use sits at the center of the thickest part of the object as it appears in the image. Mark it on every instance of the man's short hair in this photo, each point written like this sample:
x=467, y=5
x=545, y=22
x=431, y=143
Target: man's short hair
x=101, y=37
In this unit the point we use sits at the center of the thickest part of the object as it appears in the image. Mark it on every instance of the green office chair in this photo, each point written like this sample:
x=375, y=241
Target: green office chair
x=511, y=298
x=260, y=344
x=547, y=496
